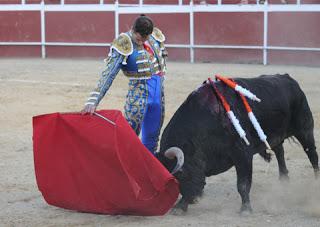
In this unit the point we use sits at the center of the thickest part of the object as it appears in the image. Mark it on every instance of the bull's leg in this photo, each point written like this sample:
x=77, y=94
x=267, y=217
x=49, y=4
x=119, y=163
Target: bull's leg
x=197, y=199
x=243, y=166
x=182, y=205
x=190, y=191
x=307, y=141
x=192, y=182
x=283, y=171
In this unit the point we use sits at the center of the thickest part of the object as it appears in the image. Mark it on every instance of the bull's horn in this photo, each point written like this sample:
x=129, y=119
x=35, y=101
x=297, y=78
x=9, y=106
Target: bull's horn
x=175, y=152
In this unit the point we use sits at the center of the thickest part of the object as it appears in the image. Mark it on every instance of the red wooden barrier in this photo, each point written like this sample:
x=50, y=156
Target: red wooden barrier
x=285, y=29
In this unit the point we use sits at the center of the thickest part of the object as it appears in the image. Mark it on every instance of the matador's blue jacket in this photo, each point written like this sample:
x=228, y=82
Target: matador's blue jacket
x=145, y=72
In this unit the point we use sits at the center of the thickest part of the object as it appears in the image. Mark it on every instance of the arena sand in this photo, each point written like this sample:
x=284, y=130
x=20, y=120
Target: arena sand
x=33, y=86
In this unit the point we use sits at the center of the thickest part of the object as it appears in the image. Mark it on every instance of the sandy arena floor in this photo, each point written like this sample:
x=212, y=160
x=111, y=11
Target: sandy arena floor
x=34, y=86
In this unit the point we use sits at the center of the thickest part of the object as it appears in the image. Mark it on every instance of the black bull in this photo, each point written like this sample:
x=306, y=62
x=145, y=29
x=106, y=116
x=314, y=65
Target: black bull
x=201, y=138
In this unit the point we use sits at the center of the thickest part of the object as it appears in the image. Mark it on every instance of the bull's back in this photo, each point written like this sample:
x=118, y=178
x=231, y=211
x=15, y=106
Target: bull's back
x=284, y=108
x=202, y=114
x=270, y=87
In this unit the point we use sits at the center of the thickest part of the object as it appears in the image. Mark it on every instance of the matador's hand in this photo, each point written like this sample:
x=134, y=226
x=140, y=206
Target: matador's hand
x=89, y=109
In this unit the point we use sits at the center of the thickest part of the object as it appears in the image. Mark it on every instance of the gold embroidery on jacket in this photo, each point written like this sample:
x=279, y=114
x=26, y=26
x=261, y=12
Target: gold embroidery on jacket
x=123, y=44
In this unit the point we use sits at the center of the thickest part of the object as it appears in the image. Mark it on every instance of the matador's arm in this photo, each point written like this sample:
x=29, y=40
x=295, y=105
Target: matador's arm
x=113, y=66
x=121, y=48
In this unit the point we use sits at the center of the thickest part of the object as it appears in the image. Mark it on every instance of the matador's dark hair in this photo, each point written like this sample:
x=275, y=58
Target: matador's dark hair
x=143, y=25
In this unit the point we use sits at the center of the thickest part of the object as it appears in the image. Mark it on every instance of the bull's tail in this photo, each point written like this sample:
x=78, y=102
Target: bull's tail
x=175, y=152
x=303, y=130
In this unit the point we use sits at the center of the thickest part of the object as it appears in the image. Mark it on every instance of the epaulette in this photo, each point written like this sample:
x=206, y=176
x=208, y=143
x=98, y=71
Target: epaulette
x=158, y=35
x=123, y=44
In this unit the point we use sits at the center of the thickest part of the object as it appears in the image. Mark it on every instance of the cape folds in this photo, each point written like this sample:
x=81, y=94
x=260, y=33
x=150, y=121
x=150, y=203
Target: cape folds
x=87, y=164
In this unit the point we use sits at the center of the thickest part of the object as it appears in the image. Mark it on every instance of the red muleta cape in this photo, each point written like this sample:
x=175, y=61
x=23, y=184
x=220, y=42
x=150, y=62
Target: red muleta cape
x=85, y=163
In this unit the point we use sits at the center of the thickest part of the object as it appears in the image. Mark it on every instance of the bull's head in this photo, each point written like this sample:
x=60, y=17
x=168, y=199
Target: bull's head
x=175, y=152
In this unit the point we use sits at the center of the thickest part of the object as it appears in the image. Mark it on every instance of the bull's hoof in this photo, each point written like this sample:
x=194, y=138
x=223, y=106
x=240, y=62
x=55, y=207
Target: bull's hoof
x=195, y=200
x=246, y=209
x=284, y=178
x=177, y=211
x=182, y=205
x=316, y=173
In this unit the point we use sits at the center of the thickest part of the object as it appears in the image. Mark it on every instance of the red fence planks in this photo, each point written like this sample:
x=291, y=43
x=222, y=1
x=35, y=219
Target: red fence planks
x=10, y=2
x=197, y=2
x=159, y=2
x=45, y=1
x=290, y=57
x=279, y=2
x=178, y=54
x=95, y=27
x=285, y=29
x=66, y=1
x=20, y=51
x=76, y=52
x=228, y=28
x=295, y=29
x=310, y=1
x=128, y=1
x=20, y=26
x=174, y=34
x=81, y=1
x=229, y=55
